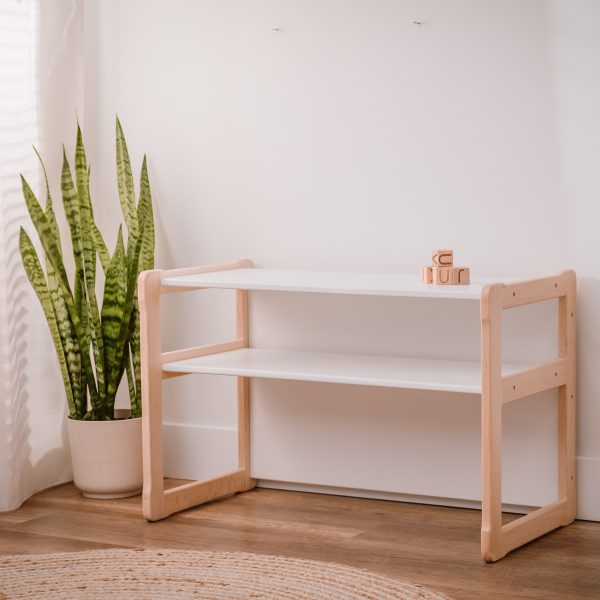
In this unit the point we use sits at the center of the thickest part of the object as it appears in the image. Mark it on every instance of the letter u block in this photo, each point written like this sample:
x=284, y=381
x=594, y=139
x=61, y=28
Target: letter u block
x=443, y=275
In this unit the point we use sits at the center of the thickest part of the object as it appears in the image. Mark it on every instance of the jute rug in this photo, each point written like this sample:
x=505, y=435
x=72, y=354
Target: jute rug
x=178, y=574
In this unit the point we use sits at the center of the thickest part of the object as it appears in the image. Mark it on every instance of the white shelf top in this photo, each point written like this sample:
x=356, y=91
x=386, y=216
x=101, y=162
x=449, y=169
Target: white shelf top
x=356, y=369
x=328, y=282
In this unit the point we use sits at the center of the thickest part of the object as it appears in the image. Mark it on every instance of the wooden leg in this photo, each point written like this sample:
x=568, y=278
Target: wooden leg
x=243, y=392
x=243, y=414
x=491, y=423
x=153, y=496
x=567, y=484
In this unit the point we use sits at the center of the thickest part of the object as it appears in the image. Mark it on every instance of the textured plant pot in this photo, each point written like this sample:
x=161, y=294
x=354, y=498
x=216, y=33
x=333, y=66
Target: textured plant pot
x=107, y=456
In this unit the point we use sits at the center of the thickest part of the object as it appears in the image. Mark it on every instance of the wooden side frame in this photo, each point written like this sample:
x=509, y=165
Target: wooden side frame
x=497, y=540
x=157, y=502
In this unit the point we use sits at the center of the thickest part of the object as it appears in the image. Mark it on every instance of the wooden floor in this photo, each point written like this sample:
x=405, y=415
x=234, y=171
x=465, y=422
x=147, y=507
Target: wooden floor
x=435, y=546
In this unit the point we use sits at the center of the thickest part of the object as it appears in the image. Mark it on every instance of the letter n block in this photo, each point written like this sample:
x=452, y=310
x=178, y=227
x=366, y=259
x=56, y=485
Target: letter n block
x=426, y=275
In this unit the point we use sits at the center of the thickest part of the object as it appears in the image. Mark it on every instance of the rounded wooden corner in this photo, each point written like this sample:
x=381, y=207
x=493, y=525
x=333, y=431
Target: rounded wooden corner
x=489, y=289
x=570, y=278
x=491, y=297
x=145, y=277
x=491, y=550
x=489, y=556
x=150, y=511
x=147, y=282
x=246, y=263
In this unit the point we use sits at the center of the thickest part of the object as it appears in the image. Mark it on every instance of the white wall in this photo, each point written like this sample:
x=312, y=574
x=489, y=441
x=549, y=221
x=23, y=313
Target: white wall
x=354, y=139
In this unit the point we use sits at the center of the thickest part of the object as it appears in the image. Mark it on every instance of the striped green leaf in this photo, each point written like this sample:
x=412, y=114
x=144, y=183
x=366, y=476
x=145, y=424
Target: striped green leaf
x=136, y=409
x=101, y=247
x=49, y=208
x=118, y=367
x=69, y=341
x=71, y=208
x=35, y=274
x=146, y=216
x=45, y=232
x=125, y=184
x=89, y=261
x=113, y=306
x=134, y=348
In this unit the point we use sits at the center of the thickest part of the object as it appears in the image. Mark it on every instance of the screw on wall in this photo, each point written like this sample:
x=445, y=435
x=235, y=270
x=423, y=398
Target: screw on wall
x=276, y=28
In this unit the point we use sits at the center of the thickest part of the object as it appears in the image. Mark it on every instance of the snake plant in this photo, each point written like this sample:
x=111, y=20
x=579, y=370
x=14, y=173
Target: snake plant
x=95, y=345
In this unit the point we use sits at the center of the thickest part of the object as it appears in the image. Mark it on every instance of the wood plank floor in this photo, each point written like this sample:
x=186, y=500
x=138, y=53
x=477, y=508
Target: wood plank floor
x=432, y=545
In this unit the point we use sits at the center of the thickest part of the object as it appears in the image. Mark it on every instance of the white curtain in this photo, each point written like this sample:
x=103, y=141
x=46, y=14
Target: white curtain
x=33, y=445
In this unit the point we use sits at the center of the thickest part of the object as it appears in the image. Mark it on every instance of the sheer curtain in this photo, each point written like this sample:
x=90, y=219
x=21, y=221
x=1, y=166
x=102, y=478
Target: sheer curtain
x=33, y=444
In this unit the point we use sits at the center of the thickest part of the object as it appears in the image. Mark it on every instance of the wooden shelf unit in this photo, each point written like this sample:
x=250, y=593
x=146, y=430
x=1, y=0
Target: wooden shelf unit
x=496, y=383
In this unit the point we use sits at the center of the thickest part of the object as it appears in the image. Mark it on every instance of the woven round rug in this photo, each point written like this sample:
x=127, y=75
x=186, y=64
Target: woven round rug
x=138, y=574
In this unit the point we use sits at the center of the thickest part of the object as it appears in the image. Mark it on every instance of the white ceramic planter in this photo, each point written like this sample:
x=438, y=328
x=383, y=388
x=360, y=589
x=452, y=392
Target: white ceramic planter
x=107, y=456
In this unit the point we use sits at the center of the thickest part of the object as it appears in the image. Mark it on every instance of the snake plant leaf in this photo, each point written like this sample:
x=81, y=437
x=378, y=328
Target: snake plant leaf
x=71, y=208
x=45, y=233
x=146, y=216
x=101, y=247
x=35, y=274
x=81, y=168
x=125, y=184
x=118, y=367
x=72, y=212
x=65, y=328
x=83, y=313
x=89, y=261
x=133, y=393
x=49, y=207
x=113, y=305
x=99, y=243
x=69, y=341
x=134, y=335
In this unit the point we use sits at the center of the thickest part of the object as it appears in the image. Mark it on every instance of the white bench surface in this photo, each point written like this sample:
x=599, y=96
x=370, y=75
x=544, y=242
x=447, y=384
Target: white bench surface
x=329, y=282
x=357, y=369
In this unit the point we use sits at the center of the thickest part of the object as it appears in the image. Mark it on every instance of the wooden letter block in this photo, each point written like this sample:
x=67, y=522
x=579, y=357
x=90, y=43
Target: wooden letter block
x=442, y=258
x=461, y=275
x=443, y=275
x=426, y=275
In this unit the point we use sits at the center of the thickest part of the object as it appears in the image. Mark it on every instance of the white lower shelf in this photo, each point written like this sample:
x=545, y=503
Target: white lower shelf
x=356, y=369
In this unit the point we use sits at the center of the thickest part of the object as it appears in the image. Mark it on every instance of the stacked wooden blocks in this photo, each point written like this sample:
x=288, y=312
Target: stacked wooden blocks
x=443, y=271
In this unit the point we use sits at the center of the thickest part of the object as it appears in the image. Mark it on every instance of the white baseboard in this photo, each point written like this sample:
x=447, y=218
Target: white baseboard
x=393, y=496
x=588, y=488
x=198, y=451
x=204, y=451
